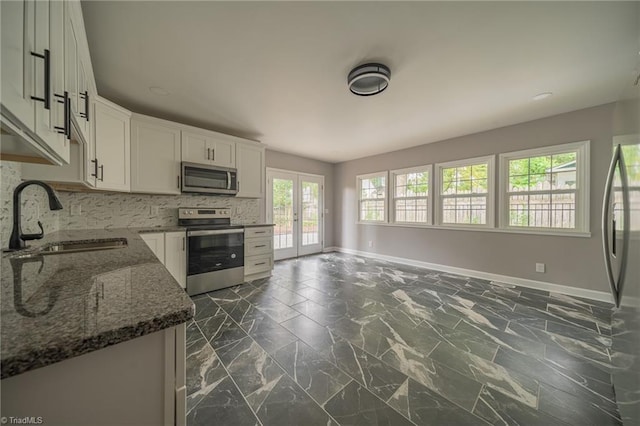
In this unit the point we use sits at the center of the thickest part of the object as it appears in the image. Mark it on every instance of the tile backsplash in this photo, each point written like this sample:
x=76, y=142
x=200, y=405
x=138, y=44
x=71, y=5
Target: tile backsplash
x=107, y=210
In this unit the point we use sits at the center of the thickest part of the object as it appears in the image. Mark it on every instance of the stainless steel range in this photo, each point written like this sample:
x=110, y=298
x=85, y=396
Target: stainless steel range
x=215, y=249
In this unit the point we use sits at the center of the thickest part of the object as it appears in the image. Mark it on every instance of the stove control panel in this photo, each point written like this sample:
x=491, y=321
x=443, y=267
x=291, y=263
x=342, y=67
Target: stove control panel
x=203, y=213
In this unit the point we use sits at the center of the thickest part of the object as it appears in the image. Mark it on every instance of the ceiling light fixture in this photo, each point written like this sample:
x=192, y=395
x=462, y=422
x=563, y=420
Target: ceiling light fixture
x=542, y=96
x=158, y=91
x=369, y=79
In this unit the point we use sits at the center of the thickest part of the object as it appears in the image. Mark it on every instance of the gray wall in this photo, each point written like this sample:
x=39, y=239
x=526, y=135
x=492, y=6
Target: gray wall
x=281, y=160
x=570, y=261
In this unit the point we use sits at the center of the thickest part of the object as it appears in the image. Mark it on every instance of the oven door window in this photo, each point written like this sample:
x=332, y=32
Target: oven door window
x=209, y=253
x=204, y=178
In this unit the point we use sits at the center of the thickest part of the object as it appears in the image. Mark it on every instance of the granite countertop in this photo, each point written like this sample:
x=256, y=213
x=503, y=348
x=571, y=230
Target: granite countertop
x=56, y=307
x=150, y=230
x=254, y=225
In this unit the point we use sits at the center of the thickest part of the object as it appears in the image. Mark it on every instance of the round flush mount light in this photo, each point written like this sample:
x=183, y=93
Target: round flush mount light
x=369, y=79
x=158, y=91
x=541, y=96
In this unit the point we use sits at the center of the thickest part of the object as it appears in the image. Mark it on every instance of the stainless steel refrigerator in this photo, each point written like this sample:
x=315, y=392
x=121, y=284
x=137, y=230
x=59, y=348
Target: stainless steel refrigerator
x=621, y=247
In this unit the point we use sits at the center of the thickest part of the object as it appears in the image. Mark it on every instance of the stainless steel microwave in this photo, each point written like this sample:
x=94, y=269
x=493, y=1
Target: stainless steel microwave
x=203, y=179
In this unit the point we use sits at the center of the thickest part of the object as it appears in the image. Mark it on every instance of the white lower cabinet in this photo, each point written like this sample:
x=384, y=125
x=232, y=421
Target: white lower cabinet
x=171, y=249
x=175, y=256
x=258, y=252
x=137, y=382
x=155, y=241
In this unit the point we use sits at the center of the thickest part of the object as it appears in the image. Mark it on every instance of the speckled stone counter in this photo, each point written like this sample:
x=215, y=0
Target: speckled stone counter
x=255, y=225
x=55, y=307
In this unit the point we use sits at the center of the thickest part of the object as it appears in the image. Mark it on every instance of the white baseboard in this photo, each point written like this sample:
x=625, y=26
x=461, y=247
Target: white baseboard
x=329, y=249
x=539, y=285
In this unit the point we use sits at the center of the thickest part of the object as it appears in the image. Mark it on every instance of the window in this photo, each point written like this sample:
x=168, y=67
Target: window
x=546, y=188
x=411, y=195
x=372, y=197
x=466, y=192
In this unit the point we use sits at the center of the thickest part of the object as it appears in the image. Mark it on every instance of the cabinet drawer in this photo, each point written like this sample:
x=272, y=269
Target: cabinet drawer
x=256, y=246
x=262, y=231
x=258, y=264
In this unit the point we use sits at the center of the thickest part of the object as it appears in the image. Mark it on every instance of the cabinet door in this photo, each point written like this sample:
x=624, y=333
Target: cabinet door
x=155, y=241
x=17, y=42
x=113, y=150
x=251, y=171
x=176, y=256
x=223, y=153
x=194, y=148
x=70, y=59
x=49, y=123
x=155, y=158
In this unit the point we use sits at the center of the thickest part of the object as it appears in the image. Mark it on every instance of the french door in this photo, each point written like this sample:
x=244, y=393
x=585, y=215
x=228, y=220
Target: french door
x=295, y=205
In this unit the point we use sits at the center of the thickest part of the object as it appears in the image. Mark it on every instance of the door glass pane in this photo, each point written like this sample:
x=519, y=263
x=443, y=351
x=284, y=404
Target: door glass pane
x=310, y=213
x=283, y=213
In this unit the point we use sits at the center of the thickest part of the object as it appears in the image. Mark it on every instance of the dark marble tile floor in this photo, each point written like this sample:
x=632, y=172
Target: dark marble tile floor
x=335, y=339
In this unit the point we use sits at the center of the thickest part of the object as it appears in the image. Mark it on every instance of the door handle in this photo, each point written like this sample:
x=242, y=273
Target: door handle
x=95, y=168
x=85, y=96
x=616, y=284
x=46, y=99
x=63, y=99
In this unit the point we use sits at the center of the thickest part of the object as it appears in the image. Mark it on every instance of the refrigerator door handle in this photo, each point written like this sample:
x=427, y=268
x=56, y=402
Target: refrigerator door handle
x=615, y=284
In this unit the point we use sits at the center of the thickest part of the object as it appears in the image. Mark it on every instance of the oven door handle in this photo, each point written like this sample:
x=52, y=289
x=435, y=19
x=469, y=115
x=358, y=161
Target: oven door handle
x=214, y=232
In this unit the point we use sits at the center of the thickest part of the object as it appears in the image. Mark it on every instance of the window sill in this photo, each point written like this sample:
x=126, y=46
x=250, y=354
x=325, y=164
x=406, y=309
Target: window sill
x=579, y=234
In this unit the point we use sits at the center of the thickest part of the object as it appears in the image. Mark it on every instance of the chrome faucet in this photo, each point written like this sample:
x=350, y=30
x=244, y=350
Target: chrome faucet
x=16, y=242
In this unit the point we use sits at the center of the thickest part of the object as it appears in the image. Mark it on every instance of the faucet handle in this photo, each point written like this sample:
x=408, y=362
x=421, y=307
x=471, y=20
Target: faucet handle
x=28, y=237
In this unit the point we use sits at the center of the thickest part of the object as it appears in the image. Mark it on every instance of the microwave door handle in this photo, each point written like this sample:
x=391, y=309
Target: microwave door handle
x=228, y=180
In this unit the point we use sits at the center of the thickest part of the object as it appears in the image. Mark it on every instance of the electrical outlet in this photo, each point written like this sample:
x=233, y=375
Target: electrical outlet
x=540, y=267
x=370, y=243
x=76, y=210
x=154, y=210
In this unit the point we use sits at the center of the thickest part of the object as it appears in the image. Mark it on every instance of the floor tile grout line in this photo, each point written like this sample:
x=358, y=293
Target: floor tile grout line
x=230, y=378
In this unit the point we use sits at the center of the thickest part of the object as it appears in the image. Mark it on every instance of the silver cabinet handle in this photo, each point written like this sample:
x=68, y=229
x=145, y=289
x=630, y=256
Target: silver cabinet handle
x=178, y=181
x=261, y=263
x=261, y=245
x=616, y=285
x=208, y=153
x=183, y=243
x=101, y=173
x=213, y=154
x=228, y=180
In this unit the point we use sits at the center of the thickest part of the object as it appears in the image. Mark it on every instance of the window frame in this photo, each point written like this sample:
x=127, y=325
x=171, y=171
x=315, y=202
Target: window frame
x=490, y=160
x=428, y=168
x=583, y=162
x=359, y=179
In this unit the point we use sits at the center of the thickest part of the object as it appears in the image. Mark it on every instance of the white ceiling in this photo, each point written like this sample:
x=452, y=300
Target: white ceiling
x=276, y=71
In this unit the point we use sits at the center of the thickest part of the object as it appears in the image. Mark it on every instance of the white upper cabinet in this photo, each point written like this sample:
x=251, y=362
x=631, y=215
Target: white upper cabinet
x=251, y=170
x=208, y=148
x=111, y=133
x=78, y=70
x=32, y=55
x=155, y=155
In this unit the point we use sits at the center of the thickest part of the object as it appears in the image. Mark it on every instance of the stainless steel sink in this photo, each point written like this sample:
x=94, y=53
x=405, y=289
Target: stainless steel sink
x=63, y=247
x=79, y=246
